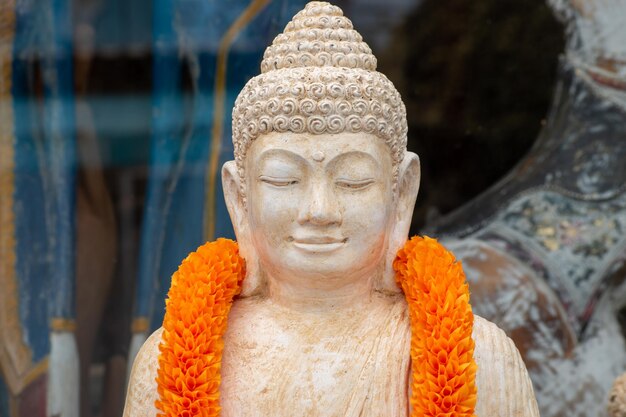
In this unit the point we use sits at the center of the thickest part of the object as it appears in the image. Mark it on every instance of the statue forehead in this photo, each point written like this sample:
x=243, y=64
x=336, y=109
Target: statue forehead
x=320, y=148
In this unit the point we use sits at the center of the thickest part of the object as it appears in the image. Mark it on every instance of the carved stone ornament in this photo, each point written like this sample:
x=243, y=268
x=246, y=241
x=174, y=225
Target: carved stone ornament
x=543, y=248
x=321, y=195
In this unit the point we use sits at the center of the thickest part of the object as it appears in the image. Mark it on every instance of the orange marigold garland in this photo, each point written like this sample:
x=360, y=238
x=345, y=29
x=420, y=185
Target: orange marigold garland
x=202, y=291
x=442, y=347
x=197, y=307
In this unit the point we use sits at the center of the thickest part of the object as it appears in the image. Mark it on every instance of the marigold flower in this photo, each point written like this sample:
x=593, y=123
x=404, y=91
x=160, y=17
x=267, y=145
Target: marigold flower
x=442, y=348
x=197, y=307
x=202, y=292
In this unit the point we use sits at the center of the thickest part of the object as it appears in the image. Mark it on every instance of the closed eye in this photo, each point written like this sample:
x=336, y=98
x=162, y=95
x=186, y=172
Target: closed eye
x=355, y=184
x=278, y=181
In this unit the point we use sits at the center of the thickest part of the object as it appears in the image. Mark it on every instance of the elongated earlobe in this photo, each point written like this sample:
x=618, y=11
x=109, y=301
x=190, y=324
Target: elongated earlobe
x=231, y=183
x=408, y=187
x=234, y=200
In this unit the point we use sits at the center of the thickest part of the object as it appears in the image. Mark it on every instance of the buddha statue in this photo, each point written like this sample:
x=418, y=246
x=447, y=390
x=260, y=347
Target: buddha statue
x=321, y=194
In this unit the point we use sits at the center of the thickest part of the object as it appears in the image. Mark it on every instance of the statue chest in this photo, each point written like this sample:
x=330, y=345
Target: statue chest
x=355, y=366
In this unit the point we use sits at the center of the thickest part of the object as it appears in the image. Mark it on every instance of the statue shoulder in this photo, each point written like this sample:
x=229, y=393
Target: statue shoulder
x=142, y=386
x=504, y=387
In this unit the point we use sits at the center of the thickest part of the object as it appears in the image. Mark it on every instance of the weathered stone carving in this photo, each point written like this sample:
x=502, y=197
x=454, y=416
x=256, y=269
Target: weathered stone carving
x=544, y=249
x=617, y=398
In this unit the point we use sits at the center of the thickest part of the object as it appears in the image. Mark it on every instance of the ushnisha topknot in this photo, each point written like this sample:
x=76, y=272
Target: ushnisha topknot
x=317, y=77
x=319, y=36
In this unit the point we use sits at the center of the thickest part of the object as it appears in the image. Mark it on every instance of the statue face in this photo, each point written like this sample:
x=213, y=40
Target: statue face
x=319, y=206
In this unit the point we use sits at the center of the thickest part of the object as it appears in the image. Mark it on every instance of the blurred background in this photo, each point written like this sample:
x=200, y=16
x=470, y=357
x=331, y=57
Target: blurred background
x=115, y=120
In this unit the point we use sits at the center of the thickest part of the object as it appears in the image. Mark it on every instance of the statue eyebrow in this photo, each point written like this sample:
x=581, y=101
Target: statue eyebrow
x=351, y=154
x=283, y=154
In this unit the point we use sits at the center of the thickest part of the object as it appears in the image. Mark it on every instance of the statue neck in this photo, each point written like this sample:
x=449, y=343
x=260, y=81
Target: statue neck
x=320, y=294
x=583, y=144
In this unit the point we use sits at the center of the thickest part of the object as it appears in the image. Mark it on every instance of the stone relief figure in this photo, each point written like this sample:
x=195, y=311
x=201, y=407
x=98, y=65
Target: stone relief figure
x=544, y=249
x=321, y=194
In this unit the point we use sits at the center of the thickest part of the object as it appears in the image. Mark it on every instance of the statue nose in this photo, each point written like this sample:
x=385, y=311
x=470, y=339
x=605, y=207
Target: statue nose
x=320, y=207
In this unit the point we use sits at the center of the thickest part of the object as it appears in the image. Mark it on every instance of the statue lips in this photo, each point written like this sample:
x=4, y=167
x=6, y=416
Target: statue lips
x=318, y=244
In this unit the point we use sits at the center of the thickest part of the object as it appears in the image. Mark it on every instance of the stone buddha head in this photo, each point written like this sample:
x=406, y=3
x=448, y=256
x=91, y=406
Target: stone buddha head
x=322, y=188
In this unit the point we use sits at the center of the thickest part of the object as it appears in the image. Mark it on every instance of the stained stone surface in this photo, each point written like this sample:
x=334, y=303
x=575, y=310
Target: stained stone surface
x=544, y=248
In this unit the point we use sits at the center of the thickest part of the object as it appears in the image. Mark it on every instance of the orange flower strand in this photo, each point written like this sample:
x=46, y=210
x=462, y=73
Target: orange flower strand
x=201, y=295
x=199, y=299
x=442, y=348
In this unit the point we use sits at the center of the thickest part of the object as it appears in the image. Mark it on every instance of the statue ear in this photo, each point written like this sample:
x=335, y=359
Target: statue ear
x=231, y=183
x=407, y=188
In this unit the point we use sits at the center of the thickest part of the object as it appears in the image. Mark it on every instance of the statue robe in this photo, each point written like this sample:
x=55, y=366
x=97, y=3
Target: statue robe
x=351, y=364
